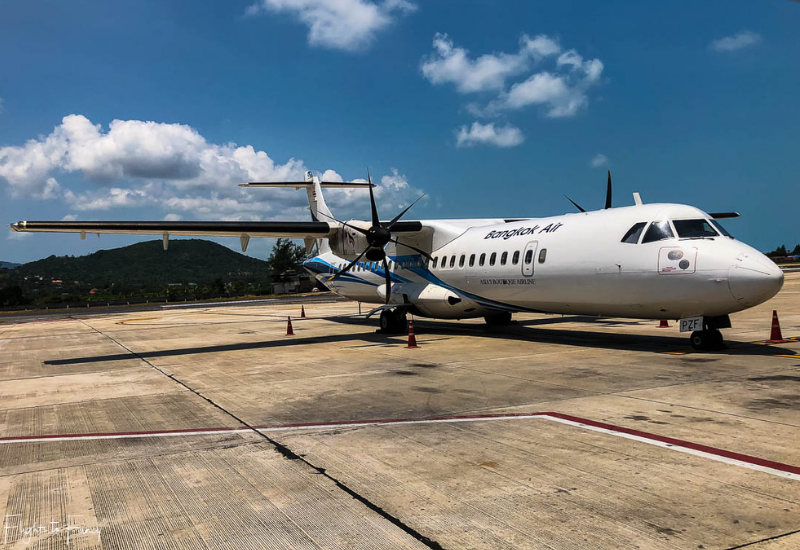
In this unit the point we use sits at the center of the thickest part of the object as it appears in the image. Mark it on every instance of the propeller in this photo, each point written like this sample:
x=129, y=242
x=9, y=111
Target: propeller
x=378, y=236
x=608, y=196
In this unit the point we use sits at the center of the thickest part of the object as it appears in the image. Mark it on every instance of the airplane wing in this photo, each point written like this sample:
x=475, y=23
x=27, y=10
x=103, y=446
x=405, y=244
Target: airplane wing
x=292, y=230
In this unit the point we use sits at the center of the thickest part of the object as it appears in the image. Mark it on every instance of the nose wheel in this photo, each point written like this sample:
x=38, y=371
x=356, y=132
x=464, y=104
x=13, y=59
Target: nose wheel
x=707, y=340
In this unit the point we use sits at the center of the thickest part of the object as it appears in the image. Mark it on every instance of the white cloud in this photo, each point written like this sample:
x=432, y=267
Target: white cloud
x=69, y=218
x=348, y=25
x=171, y=217
x=599, y=160
x=739, y=41
x=560, y=87
x=167, y=167
x=506, y=136
x=452, y=65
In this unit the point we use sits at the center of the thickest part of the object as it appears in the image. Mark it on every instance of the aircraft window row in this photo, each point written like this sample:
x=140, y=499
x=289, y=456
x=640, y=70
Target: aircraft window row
x=686, y=229
x=481, y=260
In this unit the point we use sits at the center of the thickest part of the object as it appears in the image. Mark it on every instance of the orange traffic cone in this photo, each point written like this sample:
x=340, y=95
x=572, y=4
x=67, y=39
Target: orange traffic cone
x=302, y=311
x=775, y=336
x=412, y=340
x=289, y=330
x=663, y=324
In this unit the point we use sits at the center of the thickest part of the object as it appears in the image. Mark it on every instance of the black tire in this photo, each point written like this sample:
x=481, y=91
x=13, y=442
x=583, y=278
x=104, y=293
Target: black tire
x=498, y=319
x=387, y=316
x=699, y=340
x=400, y=322
x=393, y=321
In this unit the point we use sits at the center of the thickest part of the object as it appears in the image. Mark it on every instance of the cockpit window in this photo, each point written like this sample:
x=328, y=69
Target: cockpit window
x=694, y=229
x=633, y=234
x=658, y=231
x=721, y=229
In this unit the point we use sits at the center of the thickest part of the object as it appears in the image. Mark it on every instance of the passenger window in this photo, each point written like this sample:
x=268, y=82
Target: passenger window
x=435, y=261
x=633, y=234
x=528, y=256
x=658, y=231
x=492, y=258
x=461, y=261
x=542, y=255
x=471, y=260
x=482, y=260
x=444, y=262
x=694, y=229
x=503, y=258
x=452, y=261
x=515, y=257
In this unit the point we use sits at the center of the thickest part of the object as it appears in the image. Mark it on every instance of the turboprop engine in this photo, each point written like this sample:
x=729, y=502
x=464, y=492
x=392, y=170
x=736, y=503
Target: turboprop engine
x=348, y=242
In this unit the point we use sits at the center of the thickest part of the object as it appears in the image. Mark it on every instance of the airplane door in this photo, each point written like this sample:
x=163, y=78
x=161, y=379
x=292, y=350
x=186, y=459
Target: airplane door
x=528, y=258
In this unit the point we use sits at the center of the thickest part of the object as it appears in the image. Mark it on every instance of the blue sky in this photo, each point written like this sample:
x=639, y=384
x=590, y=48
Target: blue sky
x=491, y=108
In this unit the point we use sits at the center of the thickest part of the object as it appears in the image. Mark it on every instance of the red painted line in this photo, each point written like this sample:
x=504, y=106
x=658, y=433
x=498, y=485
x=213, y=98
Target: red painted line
x=115, y=434
x=682, y=443
x=400, y=420
x=388, y=421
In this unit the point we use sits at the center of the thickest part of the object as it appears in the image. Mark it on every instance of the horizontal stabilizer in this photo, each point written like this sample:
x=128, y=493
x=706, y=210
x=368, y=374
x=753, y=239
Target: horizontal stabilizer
x=300, y=184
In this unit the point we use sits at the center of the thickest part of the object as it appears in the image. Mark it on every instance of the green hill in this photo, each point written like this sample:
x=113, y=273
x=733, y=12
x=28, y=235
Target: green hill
x=147, y=264
x=8, y=265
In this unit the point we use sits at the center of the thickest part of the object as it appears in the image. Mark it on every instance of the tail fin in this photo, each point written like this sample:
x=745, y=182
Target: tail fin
x=317, y=206
x=316, y=201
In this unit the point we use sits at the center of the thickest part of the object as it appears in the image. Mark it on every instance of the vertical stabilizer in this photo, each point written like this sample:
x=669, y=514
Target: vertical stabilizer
x=318, y=208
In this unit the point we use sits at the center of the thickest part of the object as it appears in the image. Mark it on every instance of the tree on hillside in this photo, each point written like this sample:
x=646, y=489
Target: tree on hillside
x=286, y=259
x=780, y=251
x=796, y=250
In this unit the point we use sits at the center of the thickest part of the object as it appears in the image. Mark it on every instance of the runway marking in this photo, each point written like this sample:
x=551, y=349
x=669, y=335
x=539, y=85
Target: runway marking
x=126, y=321
x=697, y=449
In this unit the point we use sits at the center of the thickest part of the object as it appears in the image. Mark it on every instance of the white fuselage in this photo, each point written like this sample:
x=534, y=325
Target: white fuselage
x=572, y=264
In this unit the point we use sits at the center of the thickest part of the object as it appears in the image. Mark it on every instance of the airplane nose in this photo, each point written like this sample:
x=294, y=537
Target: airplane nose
x=754, y=280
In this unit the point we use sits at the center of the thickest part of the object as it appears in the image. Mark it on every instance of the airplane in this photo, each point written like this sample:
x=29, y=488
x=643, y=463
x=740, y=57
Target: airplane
x=646, y=261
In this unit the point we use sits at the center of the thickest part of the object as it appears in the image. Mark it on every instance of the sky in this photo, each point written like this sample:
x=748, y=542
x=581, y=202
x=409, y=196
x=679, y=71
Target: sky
x=153, y=110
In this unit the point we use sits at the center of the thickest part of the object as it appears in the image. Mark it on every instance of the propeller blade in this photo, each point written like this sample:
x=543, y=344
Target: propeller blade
x=359, y=229
x=376, y=221
x=575, y=204
x=414, y=248
x=608, y=191
x=346, y=269
x=388, y=278
x=401, y=214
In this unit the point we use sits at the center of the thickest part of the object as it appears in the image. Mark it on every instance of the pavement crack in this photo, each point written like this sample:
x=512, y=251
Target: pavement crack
x=768, y=539
x=287, y=453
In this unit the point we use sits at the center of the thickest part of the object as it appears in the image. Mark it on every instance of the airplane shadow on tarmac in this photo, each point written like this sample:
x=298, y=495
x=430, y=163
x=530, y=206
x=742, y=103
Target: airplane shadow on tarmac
x=524, y=331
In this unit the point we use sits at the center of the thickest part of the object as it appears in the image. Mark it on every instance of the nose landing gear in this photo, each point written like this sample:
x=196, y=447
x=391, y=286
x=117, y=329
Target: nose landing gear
x=710, y=338
x=707, y=340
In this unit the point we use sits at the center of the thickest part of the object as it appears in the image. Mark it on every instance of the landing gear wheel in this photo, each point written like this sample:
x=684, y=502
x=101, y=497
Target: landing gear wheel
x=704, y=340
x=699, y=340
x=393, y=321
x=498, y=319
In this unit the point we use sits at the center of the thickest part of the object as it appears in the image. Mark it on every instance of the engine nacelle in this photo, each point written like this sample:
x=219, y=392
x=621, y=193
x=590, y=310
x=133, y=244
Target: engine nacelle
x=438, y=302
x=348, y=243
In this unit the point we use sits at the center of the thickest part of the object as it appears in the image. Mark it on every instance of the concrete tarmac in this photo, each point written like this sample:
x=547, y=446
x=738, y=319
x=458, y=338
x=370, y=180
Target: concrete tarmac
x=210, y=428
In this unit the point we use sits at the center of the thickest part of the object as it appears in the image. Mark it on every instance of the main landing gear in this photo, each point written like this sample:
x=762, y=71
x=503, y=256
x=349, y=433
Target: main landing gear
x=393, y=321
x=498, y=319
x=710, y=338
